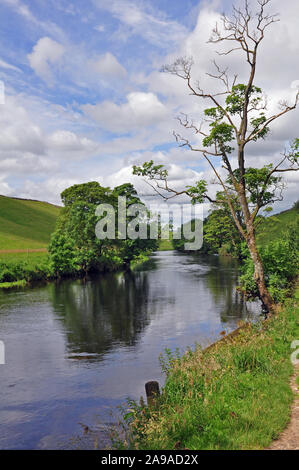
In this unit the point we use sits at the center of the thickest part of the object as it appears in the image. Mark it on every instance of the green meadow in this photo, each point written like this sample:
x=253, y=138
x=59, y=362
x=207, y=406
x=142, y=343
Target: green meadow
x=26, y=224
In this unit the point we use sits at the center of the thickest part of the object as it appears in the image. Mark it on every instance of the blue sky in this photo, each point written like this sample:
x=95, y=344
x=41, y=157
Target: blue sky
x=84, y=97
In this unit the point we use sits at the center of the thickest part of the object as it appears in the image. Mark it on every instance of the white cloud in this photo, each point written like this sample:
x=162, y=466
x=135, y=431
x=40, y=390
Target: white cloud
x=144, y=21
x=68, y=141
x=5, y=188
x=50, y=60
x=41, y=137
x=26, y=148
x=23, y=10
x=17, y=131
x=140, y=110
x=46, y=52
x=108, y=66
x=5, y=65
x=100, y=28
x=48, y=190
x=177, y=176
x=20, y=8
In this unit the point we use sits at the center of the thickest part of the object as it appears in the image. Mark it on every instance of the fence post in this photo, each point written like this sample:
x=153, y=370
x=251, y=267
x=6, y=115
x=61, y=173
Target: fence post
x=152, y=391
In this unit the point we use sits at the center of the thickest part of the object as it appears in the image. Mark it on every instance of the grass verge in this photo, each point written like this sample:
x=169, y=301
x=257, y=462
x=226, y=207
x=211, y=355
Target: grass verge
x=235, y=395
x=17, y=269
x=8, y=285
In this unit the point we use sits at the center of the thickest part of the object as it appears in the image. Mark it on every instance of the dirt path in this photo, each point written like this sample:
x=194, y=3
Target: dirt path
x=289, y=438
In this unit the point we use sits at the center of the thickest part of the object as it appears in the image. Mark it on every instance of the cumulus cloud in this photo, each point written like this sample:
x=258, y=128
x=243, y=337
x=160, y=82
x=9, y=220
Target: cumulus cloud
x=17, y=131
x=46, y=52
x=140, y=110
x=68, y=141
x=178, y=178
x=5, y=188
x=108, y=66
x=48, y=190
x=50, y=59
x=28, y=149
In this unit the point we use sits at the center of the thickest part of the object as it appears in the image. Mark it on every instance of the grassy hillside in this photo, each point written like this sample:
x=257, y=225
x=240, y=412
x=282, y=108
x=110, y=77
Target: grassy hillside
x=26, y=224
x=273, y=227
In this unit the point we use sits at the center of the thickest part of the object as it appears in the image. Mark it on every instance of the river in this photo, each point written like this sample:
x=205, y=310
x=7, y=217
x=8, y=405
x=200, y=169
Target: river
x=74, y=350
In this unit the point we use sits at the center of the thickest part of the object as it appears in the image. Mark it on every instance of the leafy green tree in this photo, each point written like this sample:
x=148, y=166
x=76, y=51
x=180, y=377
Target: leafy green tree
x=62, y=254
x=238, y=116
x=220, y=234
x=89, y=193
x=74, y=245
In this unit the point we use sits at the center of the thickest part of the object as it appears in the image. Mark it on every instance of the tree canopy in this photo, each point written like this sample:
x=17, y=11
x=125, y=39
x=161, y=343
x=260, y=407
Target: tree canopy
x=74, y=245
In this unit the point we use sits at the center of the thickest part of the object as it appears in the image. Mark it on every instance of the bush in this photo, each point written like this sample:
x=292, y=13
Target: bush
x=280, y=259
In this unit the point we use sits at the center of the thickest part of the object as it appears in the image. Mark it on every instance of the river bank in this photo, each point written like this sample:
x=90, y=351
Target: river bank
x=235, y=395
x=20, y=268
x=75, y=349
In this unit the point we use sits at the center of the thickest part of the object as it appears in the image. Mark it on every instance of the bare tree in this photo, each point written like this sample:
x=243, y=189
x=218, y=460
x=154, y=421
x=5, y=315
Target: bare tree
x=238, y=116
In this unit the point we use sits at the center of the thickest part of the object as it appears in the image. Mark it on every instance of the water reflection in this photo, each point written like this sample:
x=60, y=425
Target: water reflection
x=111, y=311
x=222, y=281
x=74, y=349
x=104, y=312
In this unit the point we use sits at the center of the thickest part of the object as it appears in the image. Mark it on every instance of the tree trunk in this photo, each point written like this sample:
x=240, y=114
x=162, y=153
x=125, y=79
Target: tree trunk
x=259, y=275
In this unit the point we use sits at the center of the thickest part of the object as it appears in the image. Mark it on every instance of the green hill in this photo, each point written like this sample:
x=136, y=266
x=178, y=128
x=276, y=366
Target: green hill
x=273, y=228
x=26, y=224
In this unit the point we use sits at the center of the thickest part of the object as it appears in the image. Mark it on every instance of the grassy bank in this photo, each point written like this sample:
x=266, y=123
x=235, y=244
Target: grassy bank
x=235, y=395
x=17, y=269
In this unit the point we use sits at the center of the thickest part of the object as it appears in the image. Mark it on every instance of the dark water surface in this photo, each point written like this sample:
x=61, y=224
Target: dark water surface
x=75, y=350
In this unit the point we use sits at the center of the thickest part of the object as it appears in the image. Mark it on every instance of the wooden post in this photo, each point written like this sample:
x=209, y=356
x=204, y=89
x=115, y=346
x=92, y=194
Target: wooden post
x=152, y=391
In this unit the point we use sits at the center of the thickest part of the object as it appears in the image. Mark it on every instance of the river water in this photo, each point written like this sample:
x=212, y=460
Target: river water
x=75, y=350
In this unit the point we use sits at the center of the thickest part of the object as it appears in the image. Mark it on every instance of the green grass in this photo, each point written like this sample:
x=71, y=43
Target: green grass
x=274, y=227
x=8, y=285
x=26, y=224
x=30, y=258
x=17, y=269
x=165, y=245
x=233, y=396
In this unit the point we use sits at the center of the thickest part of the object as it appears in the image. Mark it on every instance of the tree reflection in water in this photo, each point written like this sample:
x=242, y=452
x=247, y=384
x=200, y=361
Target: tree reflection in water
x=113, y=310
x=104, y=312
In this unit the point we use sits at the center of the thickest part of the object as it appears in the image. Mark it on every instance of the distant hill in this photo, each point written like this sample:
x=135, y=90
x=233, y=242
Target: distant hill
x=26, y=224
x=273, y=227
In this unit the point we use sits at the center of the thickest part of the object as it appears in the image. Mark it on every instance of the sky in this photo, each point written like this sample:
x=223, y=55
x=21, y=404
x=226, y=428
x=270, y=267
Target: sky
x=85, y=97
